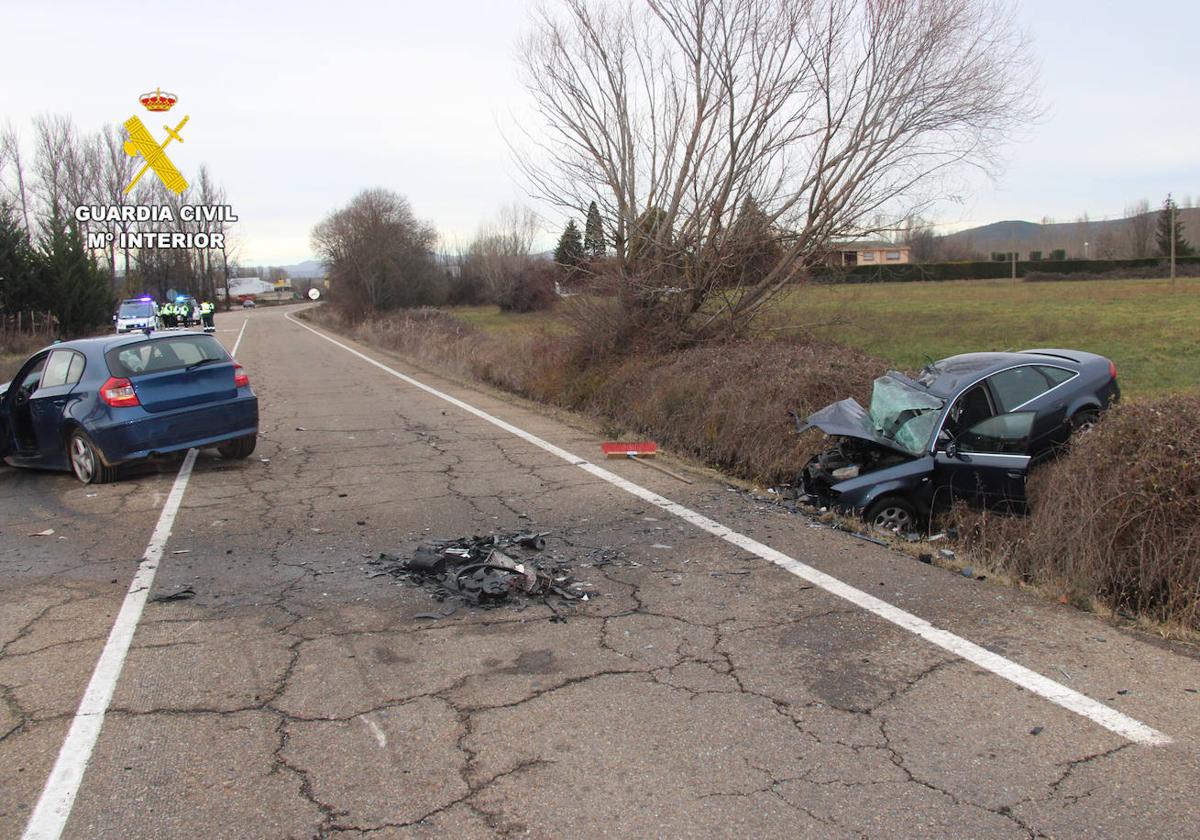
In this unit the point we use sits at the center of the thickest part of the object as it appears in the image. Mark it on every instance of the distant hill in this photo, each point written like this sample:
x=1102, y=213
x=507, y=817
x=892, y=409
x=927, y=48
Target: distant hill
x=308, y=269
x=1110, y=239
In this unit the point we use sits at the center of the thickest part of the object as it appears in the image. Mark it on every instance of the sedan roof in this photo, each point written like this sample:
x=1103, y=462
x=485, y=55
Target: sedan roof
x=949, y=376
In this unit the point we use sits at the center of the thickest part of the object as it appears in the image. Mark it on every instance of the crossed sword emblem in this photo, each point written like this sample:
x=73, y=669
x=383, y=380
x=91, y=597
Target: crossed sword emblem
x=142, y=142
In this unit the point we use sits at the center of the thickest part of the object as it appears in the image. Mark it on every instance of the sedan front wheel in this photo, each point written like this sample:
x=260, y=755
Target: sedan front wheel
x=892, y=515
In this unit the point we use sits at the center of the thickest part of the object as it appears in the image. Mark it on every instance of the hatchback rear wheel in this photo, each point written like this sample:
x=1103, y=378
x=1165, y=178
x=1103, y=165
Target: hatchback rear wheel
x=238, y=448
x=85, y=460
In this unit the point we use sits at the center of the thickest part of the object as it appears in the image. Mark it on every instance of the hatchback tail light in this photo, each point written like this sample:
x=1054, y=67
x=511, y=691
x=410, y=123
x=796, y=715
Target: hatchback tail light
x=240, y=379
x=1112, y=369
x=118, y=393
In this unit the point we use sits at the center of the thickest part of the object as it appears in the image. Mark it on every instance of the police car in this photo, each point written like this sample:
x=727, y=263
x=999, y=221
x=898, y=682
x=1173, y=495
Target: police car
x=136, y=314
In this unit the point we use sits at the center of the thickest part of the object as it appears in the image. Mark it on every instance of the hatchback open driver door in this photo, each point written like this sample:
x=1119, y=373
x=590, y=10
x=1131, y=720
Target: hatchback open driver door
x=5, y=427
x=986, y=465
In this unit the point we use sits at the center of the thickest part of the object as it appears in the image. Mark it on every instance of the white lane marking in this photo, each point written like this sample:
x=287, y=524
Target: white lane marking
x=238, y=343
x=1058, y=693
x=58, y=797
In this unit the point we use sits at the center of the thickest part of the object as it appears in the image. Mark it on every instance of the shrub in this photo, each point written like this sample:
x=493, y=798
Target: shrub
x=1116, y=521
x=530, y=291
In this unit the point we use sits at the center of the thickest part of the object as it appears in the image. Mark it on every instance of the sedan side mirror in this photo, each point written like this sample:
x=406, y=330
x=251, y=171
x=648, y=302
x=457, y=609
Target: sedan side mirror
x=951, y=450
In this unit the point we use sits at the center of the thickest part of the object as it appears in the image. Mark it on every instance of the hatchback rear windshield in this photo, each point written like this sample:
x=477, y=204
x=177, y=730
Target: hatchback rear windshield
x=136, y=309
x=160, y=354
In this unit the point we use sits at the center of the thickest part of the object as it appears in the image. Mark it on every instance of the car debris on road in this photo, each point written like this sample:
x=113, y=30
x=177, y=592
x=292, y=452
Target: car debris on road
x=488, y=572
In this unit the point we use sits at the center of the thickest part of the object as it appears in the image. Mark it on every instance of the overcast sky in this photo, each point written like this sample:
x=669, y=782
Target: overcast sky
x=297, y=106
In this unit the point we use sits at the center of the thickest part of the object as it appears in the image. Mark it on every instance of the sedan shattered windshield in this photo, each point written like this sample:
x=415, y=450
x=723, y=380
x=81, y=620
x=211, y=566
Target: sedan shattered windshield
x=904, y=414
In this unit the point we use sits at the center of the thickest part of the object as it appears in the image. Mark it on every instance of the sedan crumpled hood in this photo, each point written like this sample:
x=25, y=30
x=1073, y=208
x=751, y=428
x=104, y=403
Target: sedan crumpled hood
x=849, y=419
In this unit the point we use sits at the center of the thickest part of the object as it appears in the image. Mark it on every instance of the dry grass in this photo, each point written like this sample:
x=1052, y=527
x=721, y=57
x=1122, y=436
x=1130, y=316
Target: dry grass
x=727, y=405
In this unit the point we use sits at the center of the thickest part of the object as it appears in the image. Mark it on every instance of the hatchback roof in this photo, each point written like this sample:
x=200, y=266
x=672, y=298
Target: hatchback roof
x=105, y=343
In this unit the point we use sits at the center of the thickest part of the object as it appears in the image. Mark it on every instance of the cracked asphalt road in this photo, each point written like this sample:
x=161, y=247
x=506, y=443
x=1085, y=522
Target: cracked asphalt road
x=705, y=693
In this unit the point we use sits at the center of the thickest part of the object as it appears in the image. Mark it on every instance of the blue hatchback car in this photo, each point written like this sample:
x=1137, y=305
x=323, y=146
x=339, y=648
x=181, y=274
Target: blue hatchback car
x=91, y=405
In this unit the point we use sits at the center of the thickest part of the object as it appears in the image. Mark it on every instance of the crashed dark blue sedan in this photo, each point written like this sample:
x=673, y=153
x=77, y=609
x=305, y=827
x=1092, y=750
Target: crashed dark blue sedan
x=92, y=405
x=965, y=429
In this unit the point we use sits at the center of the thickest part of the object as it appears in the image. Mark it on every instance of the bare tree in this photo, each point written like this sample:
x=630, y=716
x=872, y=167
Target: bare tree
x=54, y=164
x=502, y=251
x=12, y=170
x=1140, y=228
x=207, y=194
x=923, y=243
x=673, y=114
x=380, y=256
x=116, y=171
x=230, y=250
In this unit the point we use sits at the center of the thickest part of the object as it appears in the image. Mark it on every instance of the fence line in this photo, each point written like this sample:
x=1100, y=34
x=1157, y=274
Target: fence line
x=28, y=323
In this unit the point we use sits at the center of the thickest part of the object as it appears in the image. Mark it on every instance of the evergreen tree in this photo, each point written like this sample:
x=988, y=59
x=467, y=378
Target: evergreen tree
x=1164, y=232
x=593, y=233
x=79, y=290
x=20, y=286
x=752, y=247
x=649, y=239
x=569, y=252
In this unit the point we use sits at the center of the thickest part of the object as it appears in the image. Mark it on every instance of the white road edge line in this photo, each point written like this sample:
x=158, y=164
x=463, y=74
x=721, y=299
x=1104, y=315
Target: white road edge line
x=58, y=797
x=1055, y=692
x=238, y=343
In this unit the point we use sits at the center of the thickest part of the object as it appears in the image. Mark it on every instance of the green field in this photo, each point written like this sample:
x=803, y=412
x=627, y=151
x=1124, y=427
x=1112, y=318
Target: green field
x=490, y=319
x=1150, y=328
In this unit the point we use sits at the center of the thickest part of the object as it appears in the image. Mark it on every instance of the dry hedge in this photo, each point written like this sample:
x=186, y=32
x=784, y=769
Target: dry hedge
x=727, y=404
x=1116, y=520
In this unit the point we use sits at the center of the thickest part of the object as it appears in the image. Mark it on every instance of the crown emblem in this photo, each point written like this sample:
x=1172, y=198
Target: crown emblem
x=158, y=101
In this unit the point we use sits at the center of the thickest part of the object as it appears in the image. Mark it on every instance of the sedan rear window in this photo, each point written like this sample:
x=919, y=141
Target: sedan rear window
x=161, y=354
x=1017, y=386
